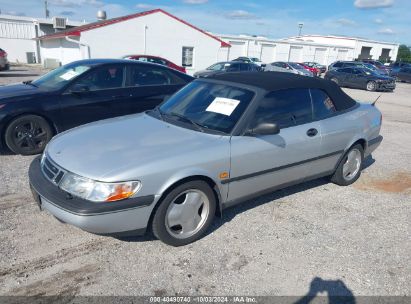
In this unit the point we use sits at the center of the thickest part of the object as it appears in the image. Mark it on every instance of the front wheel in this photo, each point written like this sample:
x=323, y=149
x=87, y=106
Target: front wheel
x=28, y=134
x=349, y=169
x=185, y=214
x=371, y=86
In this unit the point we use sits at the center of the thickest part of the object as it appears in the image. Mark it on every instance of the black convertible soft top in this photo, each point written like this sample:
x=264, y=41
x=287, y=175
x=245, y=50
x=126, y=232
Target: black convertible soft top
x=274, y=81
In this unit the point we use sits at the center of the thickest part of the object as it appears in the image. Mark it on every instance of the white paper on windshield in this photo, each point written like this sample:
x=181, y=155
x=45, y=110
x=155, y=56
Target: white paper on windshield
x=221, y=105
x=68, y=75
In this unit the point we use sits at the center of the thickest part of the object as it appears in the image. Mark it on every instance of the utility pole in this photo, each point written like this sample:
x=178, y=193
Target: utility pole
x=46, y=10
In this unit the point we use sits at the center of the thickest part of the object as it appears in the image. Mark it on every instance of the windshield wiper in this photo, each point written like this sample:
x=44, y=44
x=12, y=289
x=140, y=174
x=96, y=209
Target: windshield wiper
x=197, y=125
x=29, y=82
x=157, y=108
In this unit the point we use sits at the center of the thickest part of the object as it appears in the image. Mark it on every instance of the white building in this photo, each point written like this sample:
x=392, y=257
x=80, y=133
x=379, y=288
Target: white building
x=321, y=49
x=17, y=35
x=153, y=32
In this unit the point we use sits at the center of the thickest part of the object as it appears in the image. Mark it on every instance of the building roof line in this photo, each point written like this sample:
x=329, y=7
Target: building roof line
x=87, y=27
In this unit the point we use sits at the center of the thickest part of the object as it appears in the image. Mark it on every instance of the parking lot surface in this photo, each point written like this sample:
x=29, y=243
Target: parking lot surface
x=350, y=240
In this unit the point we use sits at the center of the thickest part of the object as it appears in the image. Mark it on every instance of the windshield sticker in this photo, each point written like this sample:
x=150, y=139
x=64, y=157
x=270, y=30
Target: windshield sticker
x=225, y=106
x=68, y=75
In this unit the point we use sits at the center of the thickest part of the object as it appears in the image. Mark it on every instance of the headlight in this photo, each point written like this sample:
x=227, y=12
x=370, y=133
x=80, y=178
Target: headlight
x=98, y=191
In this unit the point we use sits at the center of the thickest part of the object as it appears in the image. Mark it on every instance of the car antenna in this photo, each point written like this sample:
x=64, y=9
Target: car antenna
x=376, y=100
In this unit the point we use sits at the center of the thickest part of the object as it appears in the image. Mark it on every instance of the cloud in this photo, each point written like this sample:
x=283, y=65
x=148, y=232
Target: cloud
x=369, y=4
x=386, y=31
x=378, y=21
x=346, y=22
x=75, y=3
x=195, y=1
x=14, y=13
x=67, y=13
x=240, y=14
x=144, y=6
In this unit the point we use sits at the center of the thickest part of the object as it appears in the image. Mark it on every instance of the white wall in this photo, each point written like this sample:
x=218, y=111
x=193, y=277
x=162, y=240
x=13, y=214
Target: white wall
x=165, y=37
x=61, y=50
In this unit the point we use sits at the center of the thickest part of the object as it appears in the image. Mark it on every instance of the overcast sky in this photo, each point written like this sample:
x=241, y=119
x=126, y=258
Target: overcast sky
x=386, y=20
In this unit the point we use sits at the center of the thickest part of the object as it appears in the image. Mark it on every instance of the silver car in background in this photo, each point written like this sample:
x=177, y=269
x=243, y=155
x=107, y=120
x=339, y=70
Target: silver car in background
x=217, y=142
x=291, y=67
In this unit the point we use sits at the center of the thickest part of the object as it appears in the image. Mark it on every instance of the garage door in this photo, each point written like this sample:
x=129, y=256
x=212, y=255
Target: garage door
x=342, y=55
x=319, y=55
x=267, y=53
x=237, y=49
x=295, y=54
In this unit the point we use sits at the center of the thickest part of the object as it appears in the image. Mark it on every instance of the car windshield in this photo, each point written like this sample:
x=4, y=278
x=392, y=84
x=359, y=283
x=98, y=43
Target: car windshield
x=59, y=77
x=370, y=72
x=218, y=66
x=369, y=66
x=208, y=106
x=255, y=59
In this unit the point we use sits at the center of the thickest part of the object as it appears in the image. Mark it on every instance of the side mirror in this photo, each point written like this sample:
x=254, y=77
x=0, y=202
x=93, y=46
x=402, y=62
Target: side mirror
x=79, y=88
x=264, y=129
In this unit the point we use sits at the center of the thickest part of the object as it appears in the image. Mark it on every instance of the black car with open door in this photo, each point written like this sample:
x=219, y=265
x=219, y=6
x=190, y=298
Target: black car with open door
x=78, y=93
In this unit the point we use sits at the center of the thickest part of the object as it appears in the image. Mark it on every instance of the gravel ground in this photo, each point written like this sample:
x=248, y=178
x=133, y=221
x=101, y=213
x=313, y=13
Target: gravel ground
x=338, y=240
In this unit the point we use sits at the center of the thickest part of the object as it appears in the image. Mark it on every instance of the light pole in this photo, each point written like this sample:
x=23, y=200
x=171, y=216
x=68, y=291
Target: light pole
x=300, y=27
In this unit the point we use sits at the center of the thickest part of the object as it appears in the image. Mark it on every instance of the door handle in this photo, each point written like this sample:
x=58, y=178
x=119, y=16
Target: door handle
x=312, y=132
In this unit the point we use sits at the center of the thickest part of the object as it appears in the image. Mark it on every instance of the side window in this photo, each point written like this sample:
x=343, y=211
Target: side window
x=346, y=70
x=286, y=108
x=188, y=53
x=357, y=71
x=108, y=77
x=337, y=65
x=234, y=67
x=139, y=75
x=322, y=104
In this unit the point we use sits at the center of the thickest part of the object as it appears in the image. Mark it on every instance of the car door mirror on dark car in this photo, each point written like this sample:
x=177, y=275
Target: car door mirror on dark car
x=79, y=88
x=264, y=129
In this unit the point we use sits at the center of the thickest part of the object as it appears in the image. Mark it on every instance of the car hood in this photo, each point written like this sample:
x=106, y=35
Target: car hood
x=18, y=90
x=103, y=149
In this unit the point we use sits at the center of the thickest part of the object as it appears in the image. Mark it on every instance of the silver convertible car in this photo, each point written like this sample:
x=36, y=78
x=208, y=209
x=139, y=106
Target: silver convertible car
x=217, y=142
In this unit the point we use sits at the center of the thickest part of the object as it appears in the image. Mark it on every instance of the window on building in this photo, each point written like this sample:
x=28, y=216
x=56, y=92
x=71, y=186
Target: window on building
x=286, y=108
x=188, y=53
x=322, y=104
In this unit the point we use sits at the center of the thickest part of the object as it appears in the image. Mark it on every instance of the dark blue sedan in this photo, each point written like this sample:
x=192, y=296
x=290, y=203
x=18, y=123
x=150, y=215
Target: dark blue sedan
x=78, y=93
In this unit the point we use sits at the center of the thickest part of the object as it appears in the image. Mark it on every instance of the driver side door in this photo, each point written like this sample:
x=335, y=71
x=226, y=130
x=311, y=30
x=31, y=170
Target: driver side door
x=262, y=162
x=94, y=96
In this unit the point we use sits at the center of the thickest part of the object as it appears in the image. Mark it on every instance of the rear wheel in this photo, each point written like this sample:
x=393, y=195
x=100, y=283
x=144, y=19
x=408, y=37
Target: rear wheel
x=349, y=169
x=371, y=86
x=28, y=134
x=185, y=213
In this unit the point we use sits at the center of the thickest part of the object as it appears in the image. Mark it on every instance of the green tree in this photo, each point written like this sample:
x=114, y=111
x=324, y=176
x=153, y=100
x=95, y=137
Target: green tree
x=404, y=53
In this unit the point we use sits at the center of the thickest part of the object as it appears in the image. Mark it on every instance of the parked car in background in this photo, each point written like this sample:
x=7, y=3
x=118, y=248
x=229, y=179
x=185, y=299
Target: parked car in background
x=250, y=60
x=404, y=74
x=345, y=64
x=397, y=66
x=217, y=142
x=320, y=67
x=156, y=59
x=294, y=67
x=361, y=78
x=311, y=69
x=379, y=65
x=4, y=63
x=273, y=67
x=227, y=66
x=78, y=93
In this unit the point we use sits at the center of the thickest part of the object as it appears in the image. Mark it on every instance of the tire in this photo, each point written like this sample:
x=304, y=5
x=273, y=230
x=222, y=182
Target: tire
x=172, y=215
x=333, y=79
x=28, y=134
x=371, y=86
x=341, y=176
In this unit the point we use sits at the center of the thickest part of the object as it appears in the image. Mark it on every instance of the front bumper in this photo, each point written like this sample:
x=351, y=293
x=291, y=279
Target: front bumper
x=386, y=86
x=130, y=215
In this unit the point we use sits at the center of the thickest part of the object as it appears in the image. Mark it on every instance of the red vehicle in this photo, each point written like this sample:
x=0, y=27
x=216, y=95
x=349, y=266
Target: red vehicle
x=311, y=69
x=4, y=63
x=156, y=59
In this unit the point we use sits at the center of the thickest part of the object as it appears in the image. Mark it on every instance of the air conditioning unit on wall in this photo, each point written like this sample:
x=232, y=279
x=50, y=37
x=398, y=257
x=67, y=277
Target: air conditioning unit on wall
x=59, y=23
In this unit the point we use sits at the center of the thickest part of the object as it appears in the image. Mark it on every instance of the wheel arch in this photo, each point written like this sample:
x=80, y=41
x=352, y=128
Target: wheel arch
x=11, y=118
x=360, y=141
x=197, y=177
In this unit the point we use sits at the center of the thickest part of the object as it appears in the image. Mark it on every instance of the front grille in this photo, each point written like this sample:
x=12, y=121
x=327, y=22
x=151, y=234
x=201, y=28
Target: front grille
x=53, y=172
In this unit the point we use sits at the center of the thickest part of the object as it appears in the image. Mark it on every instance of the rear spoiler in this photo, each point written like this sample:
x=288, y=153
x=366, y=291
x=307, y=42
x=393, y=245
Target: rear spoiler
x=373, y=104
